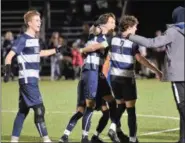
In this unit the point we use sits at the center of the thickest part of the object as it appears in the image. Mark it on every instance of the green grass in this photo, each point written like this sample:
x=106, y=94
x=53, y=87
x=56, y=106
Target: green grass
x=154, y=98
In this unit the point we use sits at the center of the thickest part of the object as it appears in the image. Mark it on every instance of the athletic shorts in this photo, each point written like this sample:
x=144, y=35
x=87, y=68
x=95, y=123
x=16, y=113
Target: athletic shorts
x=124, y=88
x=29, y=94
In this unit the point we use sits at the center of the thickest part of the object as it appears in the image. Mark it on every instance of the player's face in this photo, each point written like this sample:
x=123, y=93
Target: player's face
x=111, y=24
x=133, y=29
x=35, y=23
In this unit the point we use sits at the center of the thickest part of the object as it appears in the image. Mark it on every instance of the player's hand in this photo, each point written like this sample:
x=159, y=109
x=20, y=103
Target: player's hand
x=7, y=72
x=159, y=75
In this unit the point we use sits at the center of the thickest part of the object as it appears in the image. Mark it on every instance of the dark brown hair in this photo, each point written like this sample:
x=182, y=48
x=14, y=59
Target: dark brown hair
x=103, y=19
x=127, y=21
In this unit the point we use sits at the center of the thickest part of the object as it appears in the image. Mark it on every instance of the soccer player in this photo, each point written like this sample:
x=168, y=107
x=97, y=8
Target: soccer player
x=101, y=105
x=28, y=53
x=173, y=39
x=122, y=55
x=93, y=78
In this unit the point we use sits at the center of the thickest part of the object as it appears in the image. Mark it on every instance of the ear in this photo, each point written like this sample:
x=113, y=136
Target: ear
x=29, y=22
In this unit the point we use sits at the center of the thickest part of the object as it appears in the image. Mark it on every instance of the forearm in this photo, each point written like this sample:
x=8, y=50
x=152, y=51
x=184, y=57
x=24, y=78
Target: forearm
x=157, y=42
x=147, y=64
x=91, y=48
x=45, y=53
x=8, y=59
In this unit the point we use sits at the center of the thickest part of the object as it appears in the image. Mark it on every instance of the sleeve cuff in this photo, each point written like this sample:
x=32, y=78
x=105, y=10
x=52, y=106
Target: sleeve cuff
x=105, y=44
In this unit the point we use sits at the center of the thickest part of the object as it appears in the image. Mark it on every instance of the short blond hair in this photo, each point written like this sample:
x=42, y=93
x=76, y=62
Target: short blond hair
x=28, y=15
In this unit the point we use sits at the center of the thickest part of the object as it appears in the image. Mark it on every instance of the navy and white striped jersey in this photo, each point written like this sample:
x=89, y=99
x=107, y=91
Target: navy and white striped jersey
x=94, y=60
x=122, y=57
x=27, y=50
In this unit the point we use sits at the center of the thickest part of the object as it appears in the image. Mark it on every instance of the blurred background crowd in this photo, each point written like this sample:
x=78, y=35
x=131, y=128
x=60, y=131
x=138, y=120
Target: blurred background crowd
x=67, y=22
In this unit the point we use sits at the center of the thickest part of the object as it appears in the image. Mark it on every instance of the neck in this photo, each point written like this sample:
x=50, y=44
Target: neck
x=104, y=29
x=30, y=32
x=125, y=33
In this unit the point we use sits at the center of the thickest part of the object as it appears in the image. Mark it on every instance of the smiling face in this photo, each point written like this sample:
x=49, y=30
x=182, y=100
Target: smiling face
x=32, y=20
x=35, y=23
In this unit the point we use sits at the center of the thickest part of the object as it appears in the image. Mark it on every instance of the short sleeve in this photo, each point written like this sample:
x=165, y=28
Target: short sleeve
x=18, y=45
x=135, y=49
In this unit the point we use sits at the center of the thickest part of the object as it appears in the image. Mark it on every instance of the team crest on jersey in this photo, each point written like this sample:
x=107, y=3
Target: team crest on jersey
x=32, y=43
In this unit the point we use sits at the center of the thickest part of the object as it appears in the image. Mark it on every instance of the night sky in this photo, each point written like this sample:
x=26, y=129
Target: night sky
x=152, y=15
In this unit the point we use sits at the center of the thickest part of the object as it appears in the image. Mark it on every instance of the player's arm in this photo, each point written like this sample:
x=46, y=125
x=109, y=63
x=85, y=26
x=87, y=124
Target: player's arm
x=7, y=68
x=156, y=42
x=45, y=53
x=94, y=47
x=17, y=48
x=142, y=60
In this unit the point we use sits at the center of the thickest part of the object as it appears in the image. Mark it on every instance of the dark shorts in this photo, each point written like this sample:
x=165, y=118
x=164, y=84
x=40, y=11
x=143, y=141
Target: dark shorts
x=81, y=98
x=29, y=94
x=94, y=84
x=124, y=88
x=93, y=90
x=178, y=91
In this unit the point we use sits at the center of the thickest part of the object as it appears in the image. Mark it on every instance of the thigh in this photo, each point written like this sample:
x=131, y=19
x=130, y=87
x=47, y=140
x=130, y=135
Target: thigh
x=80, y=95
x=31, y=94
x=23, y=108
x=104, y=88
x=117, y=90
x=129, y=91
x=90, y=84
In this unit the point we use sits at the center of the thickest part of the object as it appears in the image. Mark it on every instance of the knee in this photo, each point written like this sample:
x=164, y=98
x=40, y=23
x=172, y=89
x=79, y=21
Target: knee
x=108, y=98
x=90, y=103
x=39, y=112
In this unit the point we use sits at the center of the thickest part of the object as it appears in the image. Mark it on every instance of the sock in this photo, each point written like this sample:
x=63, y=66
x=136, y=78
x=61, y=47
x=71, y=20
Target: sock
x=120, y=110
x=182, y=130
x=14, y=139
x=41, y=127
x=74, y=119
x=97, y=133
x=46, y=139
x=86, y=121
x=113, y=126
x=112, y=109
x=18, y=124
x=103, y=121
x=132, y=121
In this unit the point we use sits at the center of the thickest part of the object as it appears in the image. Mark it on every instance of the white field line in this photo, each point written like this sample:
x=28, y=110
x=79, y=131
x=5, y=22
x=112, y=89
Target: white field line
x=139, y=115
x=63, y=112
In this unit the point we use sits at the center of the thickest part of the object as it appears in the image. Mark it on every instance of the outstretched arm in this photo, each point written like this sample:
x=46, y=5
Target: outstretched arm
x=156, y=42
x=45, y=53
x=142, y=60
x=94, y=47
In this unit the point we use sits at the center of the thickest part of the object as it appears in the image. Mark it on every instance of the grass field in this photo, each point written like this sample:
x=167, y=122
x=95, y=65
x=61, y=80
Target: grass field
x=157, y=115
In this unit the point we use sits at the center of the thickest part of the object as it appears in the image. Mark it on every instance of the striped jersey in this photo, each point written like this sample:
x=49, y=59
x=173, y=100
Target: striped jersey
x=122, y=57
x=27, y=50
x=95, y=60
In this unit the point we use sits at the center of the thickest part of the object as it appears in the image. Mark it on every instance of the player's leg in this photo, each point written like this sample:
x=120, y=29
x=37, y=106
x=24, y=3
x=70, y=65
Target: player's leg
x=101, y=124
x=117, y=89
x=19, y=120
x=39, y=120
x=107, y=96
x=79, y=113
x=72, y=123
x=132, y=121
x=178, y=91
x=90, y=79
x=130, y=96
